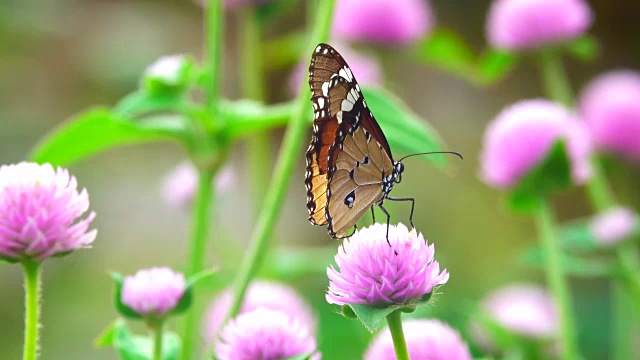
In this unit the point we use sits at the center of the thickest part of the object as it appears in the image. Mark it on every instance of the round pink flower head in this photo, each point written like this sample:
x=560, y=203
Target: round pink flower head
x=153, y=292
x=373, y=273
x=522, y=135
x=526, y=310
x=526, y=24
x=179, y=185
x=426, y=339
x=382, y=21
x=614, y=225
x=267, y=294
x=611, y=108
x=366, y=69
x=40, y=212
x=265, y=334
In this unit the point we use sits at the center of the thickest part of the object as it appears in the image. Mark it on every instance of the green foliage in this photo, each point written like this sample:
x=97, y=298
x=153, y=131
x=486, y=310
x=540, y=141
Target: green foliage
x=552, y=174
x=132, y=347
x=373, y=317
x=96, y=130
x=585, y=48
x=446, y=50
x=405, y=131
x=573, y=265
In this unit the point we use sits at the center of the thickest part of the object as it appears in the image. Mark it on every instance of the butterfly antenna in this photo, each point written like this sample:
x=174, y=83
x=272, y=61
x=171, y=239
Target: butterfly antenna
x=434, y=152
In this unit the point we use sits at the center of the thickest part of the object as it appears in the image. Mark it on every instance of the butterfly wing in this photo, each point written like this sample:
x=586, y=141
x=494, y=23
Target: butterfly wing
x=348, y=157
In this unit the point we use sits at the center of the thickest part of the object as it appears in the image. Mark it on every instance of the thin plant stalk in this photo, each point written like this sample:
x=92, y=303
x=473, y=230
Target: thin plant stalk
x=32, y=285
x=548, y=234
x=397, y=334
x=558, y=88
x=198, y=248
x=158, y=332
x=253, y=87
x=289, y=152
x=213, y=50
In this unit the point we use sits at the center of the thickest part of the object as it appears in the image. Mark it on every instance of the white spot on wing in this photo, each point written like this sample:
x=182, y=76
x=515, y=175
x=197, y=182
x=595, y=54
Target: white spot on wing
x=318, y=48
x=321, y=103
x=325, y=89
x=347, y=105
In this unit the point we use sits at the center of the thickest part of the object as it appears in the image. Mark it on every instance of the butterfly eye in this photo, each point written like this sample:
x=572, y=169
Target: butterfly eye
x=399, y=168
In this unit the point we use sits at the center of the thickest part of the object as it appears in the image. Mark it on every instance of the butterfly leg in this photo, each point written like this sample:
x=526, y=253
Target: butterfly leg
x=413, y=202
x=388, y=221
x=373, y=215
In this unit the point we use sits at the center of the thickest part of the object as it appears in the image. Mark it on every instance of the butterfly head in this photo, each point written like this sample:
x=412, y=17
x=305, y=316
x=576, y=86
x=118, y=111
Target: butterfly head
x=398, y=168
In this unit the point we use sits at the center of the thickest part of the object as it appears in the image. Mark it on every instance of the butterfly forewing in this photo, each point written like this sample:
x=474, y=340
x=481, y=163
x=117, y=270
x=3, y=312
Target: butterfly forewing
x=348, y=157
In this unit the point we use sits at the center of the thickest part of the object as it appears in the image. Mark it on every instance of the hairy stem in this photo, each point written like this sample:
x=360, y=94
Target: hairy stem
x=397, y=334
x=32, y=279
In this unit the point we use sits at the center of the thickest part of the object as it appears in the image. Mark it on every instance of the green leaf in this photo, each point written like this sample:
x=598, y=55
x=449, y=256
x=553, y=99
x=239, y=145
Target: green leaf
x=572, y=265
x=107, y=336
x=141, y=102
x=553, y=173
x=187, y=298
x=300, y=357
x=406, y=132
x=493, y=65
x=447, y=50
x=131, y=347
x=577, y=235
x=97, y=130
x=373, y=317
x=246, y=117
x=585, y=48
x=123, y=309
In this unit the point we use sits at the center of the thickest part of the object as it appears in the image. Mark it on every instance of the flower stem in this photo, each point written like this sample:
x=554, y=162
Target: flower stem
x=289, y=152
x=158, y=331
x=253, y=87
x=555, y=81
x=200, y=218
x=395, y=326
x=213, y=24
x=32, y=273
x=556, y=279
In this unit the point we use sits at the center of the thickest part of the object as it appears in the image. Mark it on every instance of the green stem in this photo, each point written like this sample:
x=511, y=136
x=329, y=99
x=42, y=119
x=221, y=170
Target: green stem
x=556, y=279
x=201, y=231
x=253, y=87
x=213, y=23
x=395, y=327
x=289, y=151
x=555, y=81
x=558, y=88
x=32, y=276
x=157, y=341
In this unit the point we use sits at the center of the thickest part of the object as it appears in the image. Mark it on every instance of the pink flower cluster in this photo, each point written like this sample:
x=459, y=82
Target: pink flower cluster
x=153, y=292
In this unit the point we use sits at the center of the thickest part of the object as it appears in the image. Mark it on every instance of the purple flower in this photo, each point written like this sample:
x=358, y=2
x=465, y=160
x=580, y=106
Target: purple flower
x=526, y=310
x=370, y=272
x=614, y=225
x=264, y=334
x=526, y=24
x=522, y=135
x=382, y=21
x=153, y=292
x=267, y=294
x=611, y=108
x=179, y=185
x=366, y=69
x=426, y=339
x=40, y=212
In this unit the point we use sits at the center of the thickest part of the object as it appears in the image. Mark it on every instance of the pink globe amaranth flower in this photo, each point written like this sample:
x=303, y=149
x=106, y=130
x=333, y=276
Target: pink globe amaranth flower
x=526, y=24
x=522, y=135
x=366, y=69
x=371, y=273
x=179, y=185
x=523, y=309
x=610, y=106
x=614, y=225
x=265, y=334
x=40, y=212
x=267, y=294
x=153, y=292
x=382, y=21
x=426, y=339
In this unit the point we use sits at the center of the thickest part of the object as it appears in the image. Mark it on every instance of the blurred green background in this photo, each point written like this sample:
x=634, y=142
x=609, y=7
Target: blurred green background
x=58, y=57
